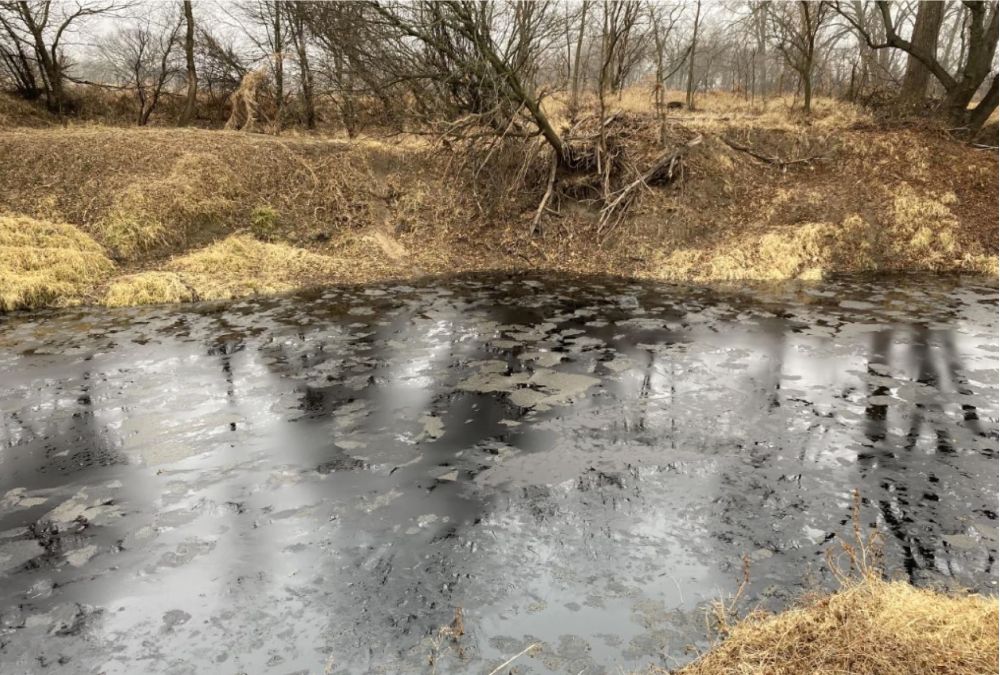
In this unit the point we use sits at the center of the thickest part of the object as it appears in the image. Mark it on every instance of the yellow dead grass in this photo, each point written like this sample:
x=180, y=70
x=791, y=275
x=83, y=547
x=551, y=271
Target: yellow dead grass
x=147, y=288
x=236, y=267
x=716, y=110
x=43, y=263
x=917, y=232
x=871, y=626
x=198, y=193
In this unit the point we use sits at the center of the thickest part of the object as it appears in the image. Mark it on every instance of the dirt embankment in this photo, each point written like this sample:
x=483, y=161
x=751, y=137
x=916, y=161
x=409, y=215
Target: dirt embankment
x=175, y=215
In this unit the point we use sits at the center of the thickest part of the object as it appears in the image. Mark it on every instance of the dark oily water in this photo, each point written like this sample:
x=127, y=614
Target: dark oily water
x=317, y=482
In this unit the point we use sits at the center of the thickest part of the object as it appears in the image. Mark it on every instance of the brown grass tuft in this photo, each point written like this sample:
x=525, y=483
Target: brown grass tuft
x=16, y=112
x=240, y=266
x=43, y=263
x=235, y=267
x=198, y=195
x=916, y=232
x=870, y=626
x=147, y=288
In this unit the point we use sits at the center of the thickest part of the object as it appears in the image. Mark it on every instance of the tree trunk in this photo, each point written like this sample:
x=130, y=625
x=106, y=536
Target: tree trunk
x=694, y=49
x=51, y=71
x=926, y=28
x=574, y=102
x=982, y=112
x=807, y=91
x=307, y=86
x=192, y=76
x=279, y=66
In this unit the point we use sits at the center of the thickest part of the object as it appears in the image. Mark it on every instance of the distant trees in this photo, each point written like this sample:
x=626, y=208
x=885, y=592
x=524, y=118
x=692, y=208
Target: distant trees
x=458, y=64
x=795, y=29
x=692, y=52
x=37, y=28
x=143, y=57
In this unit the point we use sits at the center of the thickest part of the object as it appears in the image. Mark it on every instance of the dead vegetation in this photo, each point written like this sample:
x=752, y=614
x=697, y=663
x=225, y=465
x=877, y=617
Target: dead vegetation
x=870, y=625
x=791, y=200
x=43, y=263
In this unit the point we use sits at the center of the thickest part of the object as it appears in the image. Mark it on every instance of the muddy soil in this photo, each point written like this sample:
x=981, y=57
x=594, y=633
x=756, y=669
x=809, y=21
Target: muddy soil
x=315, y=483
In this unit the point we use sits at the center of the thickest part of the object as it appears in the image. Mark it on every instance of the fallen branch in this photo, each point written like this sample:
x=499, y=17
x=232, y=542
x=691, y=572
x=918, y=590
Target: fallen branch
x=770, y=159
x=545, y=199
x=661, y=170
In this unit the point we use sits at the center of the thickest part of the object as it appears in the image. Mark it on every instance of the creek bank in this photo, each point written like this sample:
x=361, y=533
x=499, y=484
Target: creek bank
x=181, y=214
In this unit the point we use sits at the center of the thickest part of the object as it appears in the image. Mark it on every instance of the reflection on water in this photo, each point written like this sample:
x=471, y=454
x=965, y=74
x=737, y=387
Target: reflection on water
x=317, y=482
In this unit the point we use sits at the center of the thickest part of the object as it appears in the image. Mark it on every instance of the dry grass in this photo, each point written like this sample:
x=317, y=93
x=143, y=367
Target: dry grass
x=147, y=288
x=149, y=194
x=871, y=626
x=199, y=194
x=919, y=233
x=717, y=110
x=870, y=199
x=43, y=263
x=15, y=112
x=240, y=265
x=235, y=267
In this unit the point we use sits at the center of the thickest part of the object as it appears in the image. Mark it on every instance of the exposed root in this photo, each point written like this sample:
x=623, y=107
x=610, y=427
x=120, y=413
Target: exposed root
x=770, y=159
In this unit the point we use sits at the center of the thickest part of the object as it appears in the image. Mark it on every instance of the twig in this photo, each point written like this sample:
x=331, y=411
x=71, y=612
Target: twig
x=768, y=159
x=668, y=160
x=545, y=199
x=514, y=658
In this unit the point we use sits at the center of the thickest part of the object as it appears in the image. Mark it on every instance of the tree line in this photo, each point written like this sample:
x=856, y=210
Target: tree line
x=470, y=67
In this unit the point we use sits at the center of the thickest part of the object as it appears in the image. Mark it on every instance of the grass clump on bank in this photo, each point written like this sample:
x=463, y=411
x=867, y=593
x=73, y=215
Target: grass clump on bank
x=197, y=196
x=43, y=262
x=914, y=232
x=870, y=626
x=147, y=288
x=235, y=267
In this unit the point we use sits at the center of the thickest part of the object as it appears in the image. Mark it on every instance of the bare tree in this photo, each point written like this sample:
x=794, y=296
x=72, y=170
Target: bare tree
x=795, y=29
x=191, y=75
x=577, y=61
x=980, y=34
x=621, y=41
x=44, y=24
x=297, y=31
x=925, y=38
x=140, y=55
x=17, y=68
x=474, y=64
x=692, y=52
x=662, y=19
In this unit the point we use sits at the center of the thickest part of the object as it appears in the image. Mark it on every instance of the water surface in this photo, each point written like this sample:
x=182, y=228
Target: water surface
x=316, y=483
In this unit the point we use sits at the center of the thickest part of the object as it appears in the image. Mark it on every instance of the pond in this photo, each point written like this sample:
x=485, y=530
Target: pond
x=317, y=483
